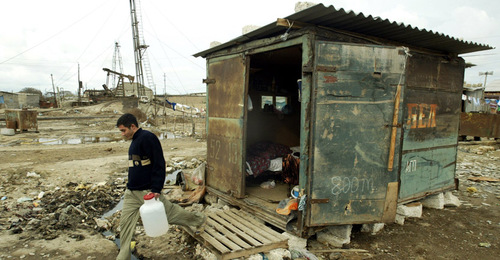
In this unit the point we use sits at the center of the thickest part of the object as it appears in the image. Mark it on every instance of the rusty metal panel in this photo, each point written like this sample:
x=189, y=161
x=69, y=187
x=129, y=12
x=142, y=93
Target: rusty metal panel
x=226, y=96
x=480, y=124
x=225, y=137
x=21, y=119
x=352, y=132
x=431, y=119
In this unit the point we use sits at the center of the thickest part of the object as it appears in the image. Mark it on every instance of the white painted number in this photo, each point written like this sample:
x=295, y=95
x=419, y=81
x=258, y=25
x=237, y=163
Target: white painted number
x=351, y=185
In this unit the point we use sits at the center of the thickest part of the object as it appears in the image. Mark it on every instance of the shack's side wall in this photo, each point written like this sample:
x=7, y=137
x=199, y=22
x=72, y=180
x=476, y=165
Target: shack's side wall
x=432, y=101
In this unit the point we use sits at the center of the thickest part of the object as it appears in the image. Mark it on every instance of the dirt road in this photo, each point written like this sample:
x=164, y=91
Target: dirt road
x=56, y=185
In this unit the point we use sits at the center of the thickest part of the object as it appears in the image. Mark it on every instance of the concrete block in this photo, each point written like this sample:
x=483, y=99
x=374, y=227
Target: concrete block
x=7, y=131
x=372, y=228
x=248, y=28
x=255, y=257
x=400, y=219
x=210, y=198
x=295, y=242
x=434, y=201
x=279, y=254
x=411, y=210
x=299, y=6
x=336, y=236
x=451, y=200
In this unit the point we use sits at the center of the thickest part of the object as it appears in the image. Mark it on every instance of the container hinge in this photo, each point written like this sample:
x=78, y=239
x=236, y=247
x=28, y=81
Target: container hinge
x=209, y=81
x=326, y=69
x=307, y=69
x=319, y=201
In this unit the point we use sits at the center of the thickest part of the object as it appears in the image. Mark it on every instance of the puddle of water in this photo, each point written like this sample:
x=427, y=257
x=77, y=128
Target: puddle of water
x=82, y=140
x=90, y=139
x=168, y=135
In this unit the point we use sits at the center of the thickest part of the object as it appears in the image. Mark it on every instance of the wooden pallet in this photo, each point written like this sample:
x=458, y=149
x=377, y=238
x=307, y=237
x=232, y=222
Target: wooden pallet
x=233, y=233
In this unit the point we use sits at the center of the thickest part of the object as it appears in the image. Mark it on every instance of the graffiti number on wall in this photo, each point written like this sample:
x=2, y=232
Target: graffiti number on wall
x=233, y=153
x=214, y=149
x=421, y=115
x=411, y=166
x=351, y=185
x=231, y=148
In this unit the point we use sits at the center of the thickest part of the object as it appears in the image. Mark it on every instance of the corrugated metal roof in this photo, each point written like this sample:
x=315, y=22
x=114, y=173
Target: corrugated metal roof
x=341, y=19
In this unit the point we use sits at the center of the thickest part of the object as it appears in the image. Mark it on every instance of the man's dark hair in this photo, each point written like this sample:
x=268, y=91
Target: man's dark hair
x=127, y=120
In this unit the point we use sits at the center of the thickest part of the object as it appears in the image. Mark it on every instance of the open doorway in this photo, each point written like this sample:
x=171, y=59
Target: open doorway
x=273, y=124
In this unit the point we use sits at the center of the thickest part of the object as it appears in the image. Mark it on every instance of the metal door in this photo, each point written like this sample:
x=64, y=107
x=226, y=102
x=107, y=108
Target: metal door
x=226, y=90
x=431, y=119
x=355, y=141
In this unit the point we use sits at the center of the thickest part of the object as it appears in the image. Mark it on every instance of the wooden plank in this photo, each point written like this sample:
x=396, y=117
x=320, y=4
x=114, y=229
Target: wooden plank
x=392, y=148
x=256, y=229
x=222, y=239
x=244, y=228
x=212, y=241
x=233, y=234
x=264, y=248
x=255, y=206
x=391, y=202
x=252, y=220
x=239, y=232
x=229, y=234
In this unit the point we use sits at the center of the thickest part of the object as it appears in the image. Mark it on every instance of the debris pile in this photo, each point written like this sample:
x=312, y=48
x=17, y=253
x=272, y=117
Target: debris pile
x=75, y=206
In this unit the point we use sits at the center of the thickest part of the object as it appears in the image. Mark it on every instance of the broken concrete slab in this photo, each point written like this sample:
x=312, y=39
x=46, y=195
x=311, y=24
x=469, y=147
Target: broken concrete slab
x=336, y=236
x=400, y=219
x=372, y=228
x=451, y=200
x=295, y=242
x=411, y=210
x=434, y=201
x=8, y=131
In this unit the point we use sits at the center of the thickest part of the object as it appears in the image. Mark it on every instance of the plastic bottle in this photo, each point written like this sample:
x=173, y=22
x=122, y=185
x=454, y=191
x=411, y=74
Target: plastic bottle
x=153, y=216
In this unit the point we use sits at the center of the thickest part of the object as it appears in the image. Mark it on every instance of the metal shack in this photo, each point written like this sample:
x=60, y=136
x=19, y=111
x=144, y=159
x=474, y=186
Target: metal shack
x=370, y=108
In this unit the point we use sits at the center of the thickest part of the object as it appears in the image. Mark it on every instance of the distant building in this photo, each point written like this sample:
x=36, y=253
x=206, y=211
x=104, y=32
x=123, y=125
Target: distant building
x=132, y=90
x=473, y=99
x=18, y=100
x=492, y=90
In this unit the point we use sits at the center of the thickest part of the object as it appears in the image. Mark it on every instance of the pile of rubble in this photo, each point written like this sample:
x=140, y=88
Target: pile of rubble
x=75, y=206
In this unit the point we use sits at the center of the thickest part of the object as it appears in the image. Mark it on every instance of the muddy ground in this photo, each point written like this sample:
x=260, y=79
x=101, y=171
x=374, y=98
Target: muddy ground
x=56, y=185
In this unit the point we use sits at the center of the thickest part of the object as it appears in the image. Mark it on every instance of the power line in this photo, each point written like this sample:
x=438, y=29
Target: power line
x=61, y=31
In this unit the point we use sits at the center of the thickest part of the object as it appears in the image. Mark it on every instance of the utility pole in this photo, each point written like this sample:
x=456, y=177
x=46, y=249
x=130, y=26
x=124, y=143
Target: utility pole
x=80, y=86
x=54, y=89
x=164, y=93
x=485, y=76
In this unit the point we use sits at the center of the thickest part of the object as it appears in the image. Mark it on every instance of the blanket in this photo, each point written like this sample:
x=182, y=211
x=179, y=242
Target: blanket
x=259, y=156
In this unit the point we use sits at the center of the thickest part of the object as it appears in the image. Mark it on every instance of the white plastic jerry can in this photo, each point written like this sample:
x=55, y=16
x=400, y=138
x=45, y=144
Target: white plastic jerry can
x=153, y=216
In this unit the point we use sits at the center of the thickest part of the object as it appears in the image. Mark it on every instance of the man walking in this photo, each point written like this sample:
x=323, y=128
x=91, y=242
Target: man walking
x=146, y=174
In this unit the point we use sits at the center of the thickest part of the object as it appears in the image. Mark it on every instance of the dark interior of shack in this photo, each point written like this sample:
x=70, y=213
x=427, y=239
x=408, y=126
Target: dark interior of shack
x=273, y=122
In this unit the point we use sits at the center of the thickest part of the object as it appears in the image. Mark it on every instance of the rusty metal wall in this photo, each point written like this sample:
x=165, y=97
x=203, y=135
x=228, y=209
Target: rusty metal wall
x=480, y=124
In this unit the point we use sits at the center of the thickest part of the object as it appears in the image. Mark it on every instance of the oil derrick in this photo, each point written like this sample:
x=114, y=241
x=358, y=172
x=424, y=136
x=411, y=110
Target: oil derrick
x=142, y=67
x=117, y=58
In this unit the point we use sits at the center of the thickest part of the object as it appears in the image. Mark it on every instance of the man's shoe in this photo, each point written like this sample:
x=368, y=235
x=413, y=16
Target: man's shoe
x=201, y=227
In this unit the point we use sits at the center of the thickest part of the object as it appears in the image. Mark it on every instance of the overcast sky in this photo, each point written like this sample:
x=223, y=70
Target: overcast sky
x=40, y=38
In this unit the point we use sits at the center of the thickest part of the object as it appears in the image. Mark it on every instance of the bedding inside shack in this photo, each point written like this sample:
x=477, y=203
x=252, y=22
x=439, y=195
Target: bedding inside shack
x=273, y=125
